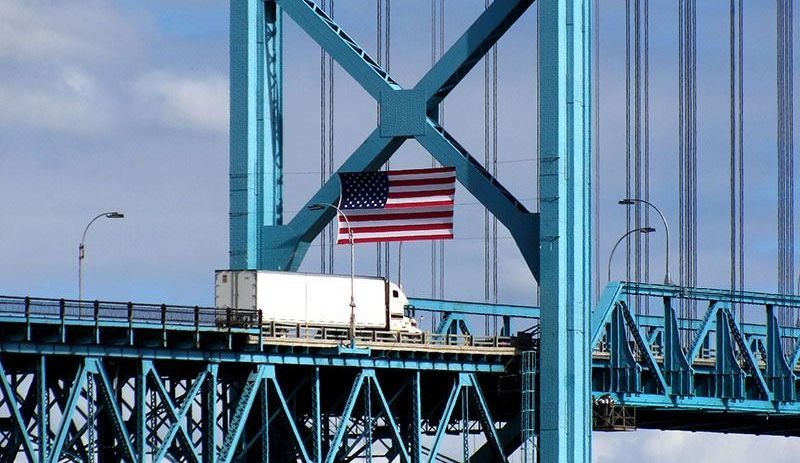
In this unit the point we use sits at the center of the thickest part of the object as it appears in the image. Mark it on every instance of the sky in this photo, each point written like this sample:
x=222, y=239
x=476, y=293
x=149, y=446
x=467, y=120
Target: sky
x=123, y=105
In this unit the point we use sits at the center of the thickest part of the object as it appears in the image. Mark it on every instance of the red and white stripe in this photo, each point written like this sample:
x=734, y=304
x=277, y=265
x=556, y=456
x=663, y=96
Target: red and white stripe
x=419, y=207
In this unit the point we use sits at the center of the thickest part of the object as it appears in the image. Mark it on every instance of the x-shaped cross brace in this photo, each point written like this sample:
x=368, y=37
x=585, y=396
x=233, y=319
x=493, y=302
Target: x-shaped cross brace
x=406, y=114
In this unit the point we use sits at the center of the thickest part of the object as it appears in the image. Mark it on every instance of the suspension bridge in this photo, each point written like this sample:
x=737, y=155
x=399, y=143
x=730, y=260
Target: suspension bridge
x=121, y=381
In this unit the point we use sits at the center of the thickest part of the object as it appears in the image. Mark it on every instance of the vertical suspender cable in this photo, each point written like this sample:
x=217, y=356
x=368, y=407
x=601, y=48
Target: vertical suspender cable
x=628, y=173
x=781, y=154
x=741, y=152
x=682, y=153
x=732, y=142
x=486, y=156
x=388, y=67
x=736, y=57
x=495, y=289
x=693, y=127
x=785, y=106
x=379, y=54
x=332, y=233
x=646, y=144
x=637, y=144
x=490, y=163
x=687, y=176
x=434, y=48
x=383, y=33
x=790, y=138
x=323, y=150
x=441, y=121
x=789, y=82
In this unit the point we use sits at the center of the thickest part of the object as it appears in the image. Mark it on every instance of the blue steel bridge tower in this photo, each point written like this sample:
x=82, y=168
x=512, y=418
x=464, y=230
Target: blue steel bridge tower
x=555, y=242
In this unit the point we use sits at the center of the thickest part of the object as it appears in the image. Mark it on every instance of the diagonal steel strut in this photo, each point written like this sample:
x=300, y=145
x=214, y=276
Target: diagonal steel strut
x=405, y=114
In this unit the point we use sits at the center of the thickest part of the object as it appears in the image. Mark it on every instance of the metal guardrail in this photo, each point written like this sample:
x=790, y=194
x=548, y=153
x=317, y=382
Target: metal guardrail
x=97, y=312
x=309, y=332
x=102, y=314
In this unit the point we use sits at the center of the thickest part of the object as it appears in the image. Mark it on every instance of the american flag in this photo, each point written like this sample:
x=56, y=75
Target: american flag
x=398, y=205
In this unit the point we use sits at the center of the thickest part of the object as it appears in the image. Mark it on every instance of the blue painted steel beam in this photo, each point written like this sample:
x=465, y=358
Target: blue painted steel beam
x=470, y=48
x=473, y=308
x=178, y=416
x=521, y=223
x=140, y=405
x=264, y=418
x=14, y=408
x=487, y=422
x=241, y=412
x=416, y=418
x=67, y=412
x=779, y=375
x=395, y=430
x=107, y=392
x=270, y=374
x=256, y=128
x=42, y=408
x=565, y=233
x=421, y=361
x=702, y=403
x=445, y=418
x=403, y=115
x=345, y=418
x=709, y=294
x=209, y=433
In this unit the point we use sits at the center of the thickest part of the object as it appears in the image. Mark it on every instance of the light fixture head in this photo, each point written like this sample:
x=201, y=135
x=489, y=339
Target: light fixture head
x=647, y=230
x=115, y=215
x=626, y=202
x=316, y=207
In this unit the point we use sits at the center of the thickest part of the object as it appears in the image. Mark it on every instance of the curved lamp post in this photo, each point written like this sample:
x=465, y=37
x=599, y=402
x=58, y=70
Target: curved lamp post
x=635, y=230
x=81, y=247
x=317, y=207
x=632, y=201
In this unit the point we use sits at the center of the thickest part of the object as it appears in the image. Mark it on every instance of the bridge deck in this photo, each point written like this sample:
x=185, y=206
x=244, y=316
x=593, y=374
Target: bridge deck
x=180, y=327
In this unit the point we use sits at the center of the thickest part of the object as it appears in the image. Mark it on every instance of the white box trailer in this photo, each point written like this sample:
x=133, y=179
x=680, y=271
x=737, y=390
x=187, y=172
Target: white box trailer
x=314, y=299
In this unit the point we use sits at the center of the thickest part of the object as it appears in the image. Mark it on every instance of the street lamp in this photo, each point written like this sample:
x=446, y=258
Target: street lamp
x=632, y=201
x=320, y=206
x=108, y=215
x=635, y=230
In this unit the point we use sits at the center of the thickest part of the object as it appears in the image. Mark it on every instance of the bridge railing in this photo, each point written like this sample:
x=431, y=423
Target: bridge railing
x=323, y=333
x=105, y=312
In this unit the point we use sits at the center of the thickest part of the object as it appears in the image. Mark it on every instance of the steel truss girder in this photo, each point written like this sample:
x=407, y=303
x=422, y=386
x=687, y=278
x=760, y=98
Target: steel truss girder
x=461, y=386
x=404, y=114
x=178, y=387
x=749, y=370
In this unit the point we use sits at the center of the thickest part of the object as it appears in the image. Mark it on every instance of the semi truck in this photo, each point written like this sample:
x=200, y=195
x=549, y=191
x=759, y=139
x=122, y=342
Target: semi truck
x=315, y=299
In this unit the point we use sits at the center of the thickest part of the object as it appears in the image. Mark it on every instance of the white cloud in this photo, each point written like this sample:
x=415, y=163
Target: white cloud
x=73, y=102
x=185, y=102
x=33, y=30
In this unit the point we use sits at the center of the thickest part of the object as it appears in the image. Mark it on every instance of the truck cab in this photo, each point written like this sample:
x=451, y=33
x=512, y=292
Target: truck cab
x=398, y=321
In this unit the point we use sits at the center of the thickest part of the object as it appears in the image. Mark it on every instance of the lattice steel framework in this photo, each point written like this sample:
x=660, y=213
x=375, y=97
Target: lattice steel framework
x=128, y=382
x=555, y=244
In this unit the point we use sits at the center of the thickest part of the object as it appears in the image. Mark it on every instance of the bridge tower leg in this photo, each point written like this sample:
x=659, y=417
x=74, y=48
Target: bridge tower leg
x=256, y=128
x=564, y=172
